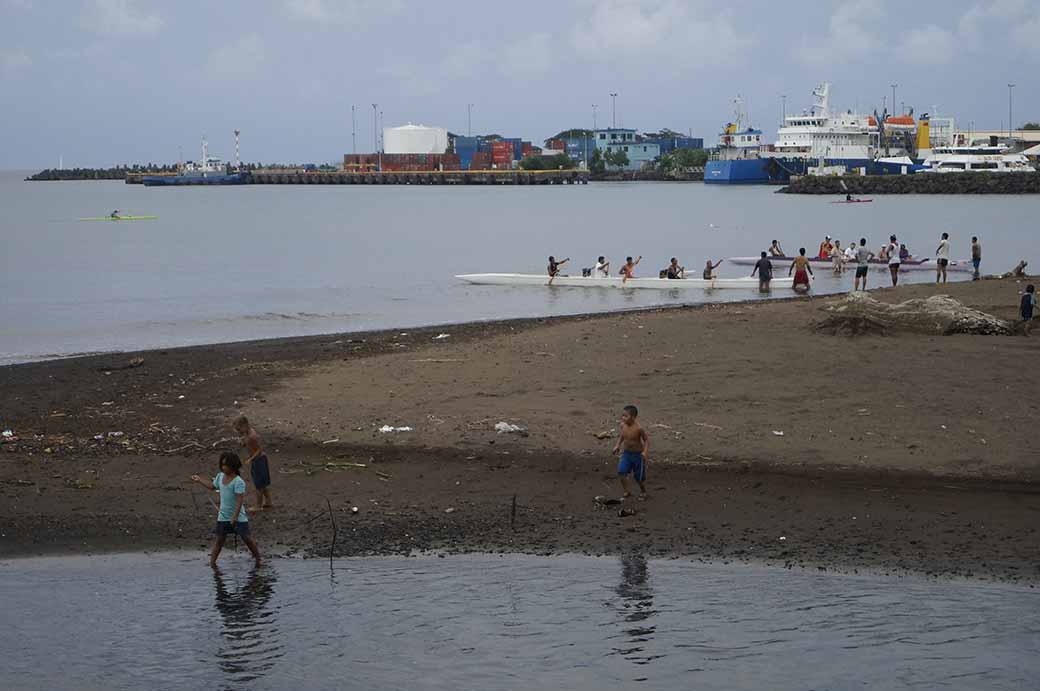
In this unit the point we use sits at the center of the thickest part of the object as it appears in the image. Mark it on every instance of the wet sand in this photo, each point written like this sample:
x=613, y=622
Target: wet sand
x=902, y=453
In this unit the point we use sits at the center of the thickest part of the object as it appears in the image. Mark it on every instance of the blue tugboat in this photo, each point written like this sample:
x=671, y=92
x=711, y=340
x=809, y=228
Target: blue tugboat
x=211, y=171
x=737, y=160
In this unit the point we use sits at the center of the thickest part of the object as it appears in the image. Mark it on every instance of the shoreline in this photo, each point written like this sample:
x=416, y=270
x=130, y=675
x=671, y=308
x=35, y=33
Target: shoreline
x=926, y=498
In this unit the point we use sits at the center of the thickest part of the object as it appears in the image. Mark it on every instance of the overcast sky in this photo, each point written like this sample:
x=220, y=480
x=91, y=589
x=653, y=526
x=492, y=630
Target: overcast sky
x=107, y=81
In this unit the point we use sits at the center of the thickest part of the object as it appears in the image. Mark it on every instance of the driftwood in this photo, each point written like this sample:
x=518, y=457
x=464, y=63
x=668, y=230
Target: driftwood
x=1018, y=272
x=860, y=314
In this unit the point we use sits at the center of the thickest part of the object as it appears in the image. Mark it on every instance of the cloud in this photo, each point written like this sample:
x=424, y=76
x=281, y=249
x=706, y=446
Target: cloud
x=13, y=63
x=240, y=58
x=342, y=11
x=650, y=29
x=848, y=37
x=930, y=45
x=122, y=18
x=530, y=56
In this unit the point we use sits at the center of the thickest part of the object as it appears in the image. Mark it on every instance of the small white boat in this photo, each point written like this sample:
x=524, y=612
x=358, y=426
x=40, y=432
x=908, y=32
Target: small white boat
x=616, y=282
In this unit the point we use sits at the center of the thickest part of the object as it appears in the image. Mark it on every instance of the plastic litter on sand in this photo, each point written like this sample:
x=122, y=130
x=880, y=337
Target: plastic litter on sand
x=778, y=433
x=385, y=429
x=441, y=336
x=507, y=428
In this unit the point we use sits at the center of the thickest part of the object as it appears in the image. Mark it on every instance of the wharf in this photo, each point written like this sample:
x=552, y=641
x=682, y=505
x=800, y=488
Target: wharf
x=433, y=177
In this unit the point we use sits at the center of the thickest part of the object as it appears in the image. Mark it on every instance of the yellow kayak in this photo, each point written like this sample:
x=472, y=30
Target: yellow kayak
x=121, y=218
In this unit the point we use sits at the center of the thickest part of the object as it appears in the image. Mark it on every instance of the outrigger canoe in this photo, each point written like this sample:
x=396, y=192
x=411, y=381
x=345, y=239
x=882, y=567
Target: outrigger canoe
x=121, y=218
x=616, y=282
x=853, y=201
x=926, y=264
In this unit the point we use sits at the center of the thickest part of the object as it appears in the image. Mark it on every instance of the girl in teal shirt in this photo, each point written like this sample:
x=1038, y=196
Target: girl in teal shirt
x=231, y=517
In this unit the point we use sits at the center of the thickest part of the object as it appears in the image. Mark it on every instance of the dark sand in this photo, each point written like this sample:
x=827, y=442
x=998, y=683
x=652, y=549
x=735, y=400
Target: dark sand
x=903, y=453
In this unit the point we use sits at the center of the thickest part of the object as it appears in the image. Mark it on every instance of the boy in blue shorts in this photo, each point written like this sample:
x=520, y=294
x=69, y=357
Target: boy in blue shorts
x=634, y=446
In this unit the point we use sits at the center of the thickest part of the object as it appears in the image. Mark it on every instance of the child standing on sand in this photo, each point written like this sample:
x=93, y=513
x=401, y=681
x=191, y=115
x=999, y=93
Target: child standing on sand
x=231, y=518
x=634, y=446
x=259, y=470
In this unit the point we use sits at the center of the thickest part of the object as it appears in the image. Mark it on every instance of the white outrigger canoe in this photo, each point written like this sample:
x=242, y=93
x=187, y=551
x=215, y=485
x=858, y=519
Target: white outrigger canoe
x=924, y=264
x=745, y=283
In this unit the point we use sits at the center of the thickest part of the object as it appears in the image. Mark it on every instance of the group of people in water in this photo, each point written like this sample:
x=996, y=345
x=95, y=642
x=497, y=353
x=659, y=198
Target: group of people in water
x=892, y=254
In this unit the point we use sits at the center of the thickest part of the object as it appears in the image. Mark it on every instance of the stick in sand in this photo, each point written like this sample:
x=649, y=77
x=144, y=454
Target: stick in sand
x=332, y=517
x=512, y=515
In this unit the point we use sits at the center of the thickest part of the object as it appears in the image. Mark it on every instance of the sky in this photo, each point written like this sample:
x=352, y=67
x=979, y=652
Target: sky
x=101, y=82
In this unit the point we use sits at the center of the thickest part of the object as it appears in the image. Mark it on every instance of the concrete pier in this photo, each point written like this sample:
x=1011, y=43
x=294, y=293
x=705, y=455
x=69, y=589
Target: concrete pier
x=435, y=177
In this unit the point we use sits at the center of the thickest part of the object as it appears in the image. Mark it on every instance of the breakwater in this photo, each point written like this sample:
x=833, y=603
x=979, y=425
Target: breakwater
x=118, y=173
x=919, y=183
x=433, y=177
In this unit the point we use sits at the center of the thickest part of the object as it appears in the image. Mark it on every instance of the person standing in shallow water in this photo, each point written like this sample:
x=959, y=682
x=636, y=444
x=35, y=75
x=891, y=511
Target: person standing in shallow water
x=893, y=259
x=976, y=256
x=764, y=269
x=231, y=517
x=802, y=270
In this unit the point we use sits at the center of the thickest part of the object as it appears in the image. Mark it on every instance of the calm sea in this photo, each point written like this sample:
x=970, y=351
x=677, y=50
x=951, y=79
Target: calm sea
x=239, y=263
x=487, y=622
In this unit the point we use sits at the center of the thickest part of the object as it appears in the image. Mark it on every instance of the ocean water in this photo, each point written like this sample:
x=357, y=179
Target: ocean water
x=239, y=263
x=512, y=622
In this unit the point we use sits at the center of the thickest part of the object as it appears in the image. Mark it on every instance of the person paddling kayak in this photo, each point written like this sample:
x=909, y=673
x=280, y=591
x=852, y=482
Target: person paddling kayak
x=114, y=215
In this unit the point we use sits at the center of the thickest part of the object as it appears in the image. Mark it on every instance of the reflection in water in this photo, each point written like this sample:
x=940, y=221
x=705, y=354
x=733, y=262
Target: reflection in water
x=251, y=645
x=637, y=609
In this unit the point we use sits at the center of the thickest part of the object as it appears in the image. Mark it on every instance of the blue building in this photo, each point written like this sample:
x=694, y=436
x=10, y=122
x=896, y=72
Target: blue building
x=639, y=152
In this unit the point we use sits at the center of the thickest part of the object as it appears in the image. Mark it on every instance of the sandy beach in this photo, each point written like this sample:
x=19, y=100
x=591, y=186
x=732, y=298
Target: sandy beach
x=769, y=441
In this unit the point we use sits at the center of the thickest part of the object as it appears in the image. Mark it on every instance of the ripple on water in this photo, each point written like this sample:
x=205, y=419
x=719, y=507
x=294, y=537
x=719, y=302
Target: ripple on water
x=501, y=622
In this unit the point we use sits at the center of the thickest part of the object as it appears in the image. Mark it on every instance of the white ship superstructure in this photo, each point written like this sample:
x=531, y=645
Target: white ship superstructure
x=819, y=133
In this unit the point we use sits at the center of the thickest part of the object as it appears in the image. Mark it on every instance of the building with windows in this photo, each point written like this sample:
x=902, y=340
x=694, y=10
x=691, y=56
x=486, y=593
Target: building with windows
x=639, y=152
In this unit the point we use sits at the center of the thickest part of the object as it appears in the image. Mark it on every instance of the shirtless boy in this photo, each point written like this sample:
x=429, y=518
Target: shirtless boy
x=256, y=461
x=634, y=446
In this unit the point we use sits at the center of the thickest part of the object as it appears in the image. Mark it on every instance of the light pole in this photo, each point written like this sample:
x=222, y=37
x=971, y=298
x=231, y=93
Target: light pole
x=594, y=125
x=893, y=95
x=353, y=127
x=1010, y=87
x=613, y=110
x=375, y=126
x=783, y=109
x=469, y=119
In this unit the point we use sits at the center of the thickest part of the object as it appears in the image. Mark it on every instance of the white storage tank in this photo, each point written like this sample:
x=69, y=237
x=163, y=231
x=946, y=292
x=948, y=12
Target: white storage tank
x=415, y=139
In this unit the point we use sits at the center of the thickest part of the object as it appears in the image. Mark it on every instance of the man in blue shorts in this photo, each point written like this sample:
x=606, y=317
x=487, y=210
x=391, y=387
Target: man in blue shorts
x=634, y=446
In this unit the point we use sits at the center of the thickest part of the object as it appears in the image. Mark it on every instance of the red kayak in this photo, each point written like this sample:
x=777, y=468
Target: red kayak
x=853, y=201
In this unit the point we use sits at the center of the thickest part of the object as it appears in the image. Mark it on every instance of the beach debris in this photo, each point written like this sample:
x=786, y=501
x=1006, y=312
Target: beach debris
x=354, y=509
x=8, y=436
x=387, y=429
x=330, y=441
x=623, y=513
x=115, y=434
x=131, y=364
x=107, y=403
x=20, y=483
x=78, y=484
x=606, y=501
x=440, y=337
x=504, y=427
x=450, y=509
x=186, y=446
x=705, y=424
x=181, y=397
x=778, y=432
x=783, y=538
x=661, y=426
x=1018, y=272
x=603, y=435
x=860, y=314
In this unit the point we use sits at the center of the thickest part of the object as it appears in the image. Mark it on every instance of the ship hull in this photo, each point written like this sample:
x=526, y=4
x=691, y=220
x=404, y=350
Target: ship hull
x=778, y=170
x=745, y=171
